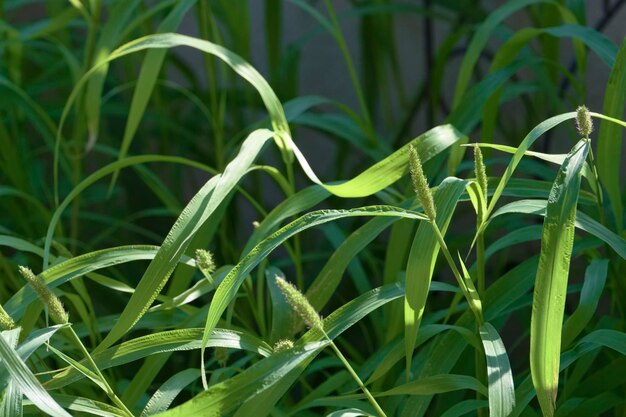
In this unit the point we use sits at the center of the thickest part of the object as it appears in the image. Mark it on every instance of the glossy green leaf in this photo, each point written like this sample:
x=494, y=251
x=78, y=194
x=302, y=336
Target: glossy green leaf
x=552, y=276
x=27, y=382
x=499, y=374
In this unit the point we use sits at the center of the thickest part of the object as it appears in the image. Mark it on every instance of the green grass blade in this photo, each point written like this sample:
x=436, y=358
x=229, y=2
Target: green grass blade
x=595, y=278
x=499, y=374
x=79, y=266
x=171, y=40
x=86, y=405
x=422, y=258
x=583, y=222
x=12, y=398
x=12, y=401
x=223, y=398
x=597, y=339
x=227, y=290
x=120, y=14
x=197, y=211
x=391, y=169
x=479, y=41
x=551, y=280
x=168, y=391
x=27, y=382
x=284, y=322
x=99, y=174
x=168, y=341
x=610, y=136
x=464, y=408
x=436, y=384
x=526, y=143
x=150, y=69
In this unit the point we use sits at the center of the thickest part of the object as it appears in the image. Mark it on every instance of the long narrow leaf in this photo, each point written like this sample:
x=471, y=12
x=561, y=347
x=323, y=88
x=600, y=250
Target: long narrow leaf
x=551, y=280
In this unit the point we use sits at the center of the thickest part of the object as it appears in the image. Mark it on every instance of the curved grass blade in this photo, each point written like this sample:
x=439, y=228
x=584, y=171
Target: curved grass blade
x=464, y=408
x=223, y=398
x=168, y=391
x=283, y=320
x=27, y=382
x=551, y=281
x=171, y=40
x=99, y=174
x=436, y=384
x=582, y=221
x=526, y=143
x=389, y=170
x=335, y=324
x=499, y=374
x=227, y=290
x=12, y=398
x=195, y=214
x=85, y=405
x=168, y=341
x=78, y=266
x=482, y=36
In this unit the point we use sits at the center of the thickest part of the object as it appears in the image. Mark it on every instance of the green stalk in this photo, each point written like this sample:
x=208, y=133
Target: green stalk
x=354, y=375
x=108, y=390
x=480, y=263
x=466, y=284
x=596, y=177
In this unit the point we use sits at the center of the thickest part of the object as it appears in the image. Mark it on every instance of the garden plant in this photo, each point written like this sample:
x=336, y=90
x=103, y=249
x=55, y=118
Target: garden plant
x=187, y=230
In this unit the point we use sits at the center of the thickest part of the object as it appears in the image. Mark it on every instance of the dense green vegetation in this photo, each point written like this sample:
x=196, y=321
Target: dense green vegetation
x=153, y=207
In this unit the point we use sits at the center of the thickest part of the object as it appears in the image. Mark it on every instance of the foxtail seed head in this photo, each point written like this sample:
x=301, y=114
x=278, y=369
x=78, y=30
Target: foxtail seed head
x=205, y=262
x=55, y=307
x=584, y=124
x=221, y=356
x=283, y=345
x=300, y=304
x=480, y=170
x=420, y=183
x=6, y=322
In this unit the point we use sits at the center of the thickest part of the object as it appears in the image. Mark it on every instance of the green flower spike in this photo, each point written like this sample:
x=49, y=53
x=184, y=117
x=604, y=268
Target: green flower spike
x=480, y=170
x=205, y=262
x=55, y=307
x=420, y=183
x=6, y=322
x=283, y=345
x=584, y=124
x=300, y=304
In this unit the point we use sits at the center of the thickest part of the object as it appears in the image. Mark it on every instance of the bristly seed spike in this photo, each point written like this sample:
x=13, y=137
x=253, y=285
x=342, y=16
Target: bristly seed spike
x=584, y=123
x=420, y=183
x=480, y=170
x=55, y=307
x=300, y=304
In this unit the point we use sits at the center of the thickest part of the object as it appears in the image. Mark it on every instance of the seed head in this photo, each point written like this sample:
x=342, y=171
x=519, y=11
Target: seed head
x=420, y=183
x=480, y=170
x=584, y=124
x=6, y=322
x=205, y=262
x=283, y=345
x=221, y=356
x=300, y=304
x=51, y=301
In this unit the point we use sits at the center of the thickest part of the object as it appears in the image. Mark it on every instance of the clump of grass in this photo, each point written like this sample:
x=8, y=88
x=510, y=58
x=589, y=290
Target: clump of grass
x=91, y=89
